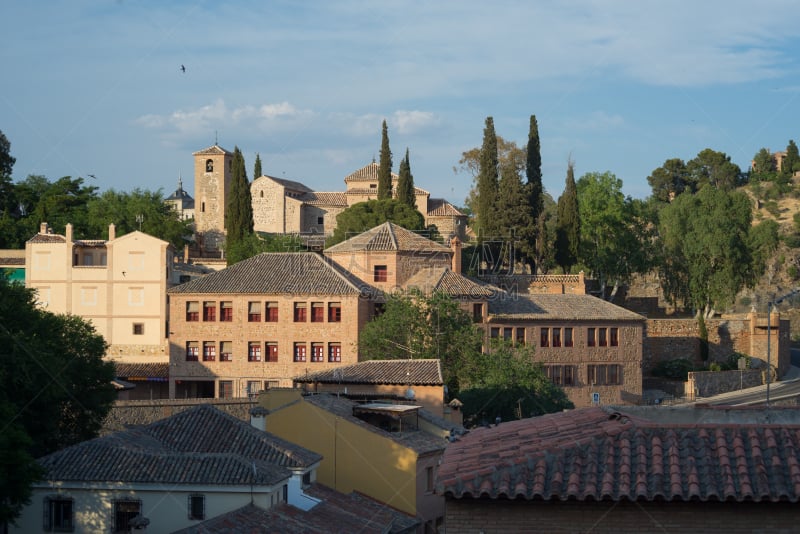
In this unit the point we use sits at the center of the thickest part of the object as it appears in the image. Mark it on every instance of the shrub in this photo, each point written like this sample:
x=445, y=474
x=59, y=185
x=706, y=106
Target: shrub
x=677, y=369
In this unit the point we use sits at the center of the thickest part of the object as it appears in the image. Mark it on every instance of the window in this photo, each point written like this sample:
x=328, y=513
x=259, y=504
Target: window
x=226, y=351
x=521, y=336
x=317, y=312
x=124, y=511
x=272, y=312
x=299, y=312
x=317, y=352
x=254, y=312
x=379, y=273
x=429, y=479
x=58, y=515
x=254, y=351
x=209, y=311
x=613, y=337
x=192, y=351
x=568, y=342
x=320, y=220
x=299, y=352
x=602, y=337
x=555, y=374
x=197, y=507
x=604, y=375
x=306, y=479
x=253, y=387
x=138, y=329
x=477, y=313
x=590, y=341
x=334, y=312
x=209, y=165
x=209, y=351
x=225, y=389
x=561, y=375
x=494, y=333
x=544, y=337
x=226, y=311
x=272, y=351
x=202, y=207
x=334, y=352
x=556, y=337
x=192, y=311
x=569, y=375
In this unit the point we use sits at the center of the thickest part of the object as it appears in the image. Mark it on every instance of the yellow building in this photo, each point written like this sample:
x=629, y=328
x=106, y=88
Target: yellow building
x=119, y=285
x=389, y=452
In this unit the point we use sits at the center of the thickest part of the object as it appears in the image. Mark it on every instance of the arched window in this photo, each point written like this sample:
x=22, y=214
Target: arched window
x=261, y=194
x=209, y=165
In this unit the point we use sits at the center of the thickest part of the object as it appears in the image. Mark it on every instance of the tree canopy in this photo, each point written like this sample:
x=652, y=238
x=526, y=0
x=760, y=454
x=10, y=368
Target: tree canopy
x=239, y=209
x=385, y=166
x=568, y=224
x=362, y=216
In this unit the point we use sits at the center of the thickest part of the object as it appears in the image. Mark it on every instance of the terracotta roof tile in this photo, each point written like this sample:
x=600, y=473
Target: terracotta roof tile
x=47, y=238
x=388, y=237
x=142, y=370
x=431, y=279
x=598, y=454
x=277, y=273
x=521, y=306
x=201, y=445
x=439, y=207
x=334, y=199
x=367, y=173
x=417, y=372
x=288, y=184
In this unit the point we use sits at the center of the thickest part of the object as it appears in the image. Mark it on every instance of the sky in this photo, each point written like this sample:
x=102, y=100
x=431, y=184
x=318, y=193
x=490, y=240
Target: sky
x=95, y=87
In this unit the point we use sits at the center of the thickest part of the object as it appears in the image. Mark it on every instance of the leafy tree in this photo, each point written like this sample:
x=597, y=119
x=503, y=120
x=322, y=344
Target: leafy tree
x=762, y=240
x=365, y=215
x=763, y=165
x=486, y=191
x=125, y=209
x=568, y=224
x=705, y=258
x=419, y=327
x=715, y=168
x=405, y=184
x=56, y=387
x=385, y=166
x=6, y=159
x=257, y=243
x=514, y=216
x=508, y=384
x=670, y=180
x=257, y=167
x=239, y=209
x=791, y=162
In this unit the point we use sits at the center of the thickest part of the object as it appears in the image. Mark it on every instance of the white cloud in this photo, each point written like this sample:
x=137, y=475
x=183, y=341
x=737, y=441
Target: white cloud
x=408, y=122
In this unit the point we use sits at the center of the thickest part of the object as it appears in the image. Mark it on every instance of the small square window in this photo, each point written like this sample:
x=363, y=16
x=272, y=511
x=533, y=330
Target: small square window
x=197, y=507
x=380, y=273
x=544, y=337
x=334, y=352
x=226, y=311
x=299, y=352
x=272, y=312
x=334, y=312
x=299, y=312
x=272, y=351
x=138, y=329
x=317, y=312
x=58, y=515
x=320, y=220
x=225, y=389
x=209, y=311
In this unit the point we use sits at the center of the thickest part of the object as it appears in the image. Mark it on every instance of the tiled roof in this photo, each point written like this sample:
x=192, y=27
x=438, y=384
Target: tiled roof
x=432, y=279
x=289, y=184
x=277, y=273
x=47, y=238
x=336, y=513
x=368, y=173
x=519, y=306
x=416, y=440
x=12, y=256
x=597, y=454
x=338, y=199
x=388, y=237
x=201, y=445
x=417, y=372
x=142, y=370
x=214, y=150
x=439, y=207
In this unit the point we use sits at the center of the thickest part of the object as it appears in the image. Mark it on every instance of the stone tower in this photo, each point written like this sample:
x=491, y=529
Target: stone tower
x=212, y=180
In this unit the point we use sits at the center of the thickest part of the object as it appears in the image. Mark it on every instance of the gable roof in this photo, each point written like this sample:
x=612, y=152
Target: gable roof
x=605, y=454
x=201, y=445
x=214, y=150
x=388, y=237
x=439, y=207
x=288, y=184
x=456, y=285
x=519, y=306
x=142, y=371
x=415, y=372
x=277, y=273
x=367, y=173
x=336, y=513
x=331, y=199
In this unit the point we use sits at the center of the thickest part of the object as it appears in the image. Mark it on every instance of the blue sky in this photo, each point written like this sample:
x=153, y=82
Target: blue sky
x=95, y=87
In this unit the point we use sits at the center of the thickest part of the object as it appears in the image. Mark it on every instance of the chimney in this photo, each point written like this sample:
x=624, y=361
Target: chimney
x=185, y=253
x=112, y=232
x=258, y=418
x=69, y=233
x=455, y=246
x=43, y=228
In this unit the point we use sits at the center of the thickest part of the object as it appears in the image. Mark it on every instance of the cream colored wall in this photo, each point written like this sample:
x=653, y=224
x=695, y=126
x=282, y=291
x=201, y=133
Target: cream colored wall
x=362, y=265
x=268, y=205
x=210, y=194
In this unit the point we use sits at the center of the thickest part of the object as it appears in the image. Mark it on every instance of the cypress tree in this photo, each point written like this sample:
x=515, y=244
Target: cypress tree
x=568, y=225
x=257, y=167
x=385, y=168
x=487, y=182
x=405, y=184
x=513, y=213
x=239, y=208
x=535, y=189
x=791, y=162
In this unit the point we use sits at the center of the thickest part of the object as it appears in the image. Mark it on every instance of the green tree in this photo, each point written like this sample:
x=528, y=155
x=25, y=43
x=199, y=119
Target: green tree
x=487, y=183
x=514, y=216
x=763, y=165
x=532, y=247
x=508, y=384
x=239, y=209
x=257, y=167
x=362, y=216
x=568, y=223
x=715, y=168
x=385, y=166
x=705, y=258
x=6, y=159
x=56, y=387
x=8, y=198
x=405, y=184
x=670, y=180
x=791, y=162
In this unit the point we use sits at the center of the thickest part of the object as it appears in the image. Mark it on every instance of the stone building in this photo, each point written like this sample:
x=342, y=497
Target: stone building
x=182, y=202
x=212, y=180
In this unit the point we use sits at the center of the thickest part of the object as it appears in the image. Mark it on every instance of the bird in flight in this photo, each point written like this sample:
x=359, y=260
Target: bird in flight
x=92, y=176
x=183, y=69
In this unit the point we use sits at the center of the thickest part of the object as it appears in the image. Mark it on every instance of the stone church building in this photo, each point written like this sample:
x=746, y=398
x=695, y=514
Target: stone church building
x=287, y=207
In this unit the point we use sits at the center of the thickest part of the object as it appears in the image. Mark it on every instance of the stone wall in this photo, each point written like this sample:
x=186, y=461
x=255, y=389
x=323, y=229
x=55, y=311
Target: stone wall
x=143, y=412
x=709, y=383
x=267, y=197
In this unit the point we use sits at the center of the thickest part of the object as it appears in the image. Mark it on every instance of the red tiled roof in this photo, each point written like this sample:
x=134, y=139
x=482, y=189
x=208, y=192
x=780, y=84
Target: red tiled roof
x=388, y=237
x=456, y=285
x=599, y=454
x=522, y=306
x=47, y=238
x=416, y=372
x=367, y=173
x=142, y=370
x=439, y=207
x=337, y=199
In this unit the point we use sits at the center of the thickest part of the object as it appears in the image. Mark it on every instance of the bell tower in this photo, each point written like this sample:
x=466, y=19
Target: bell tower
x=212, y=179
